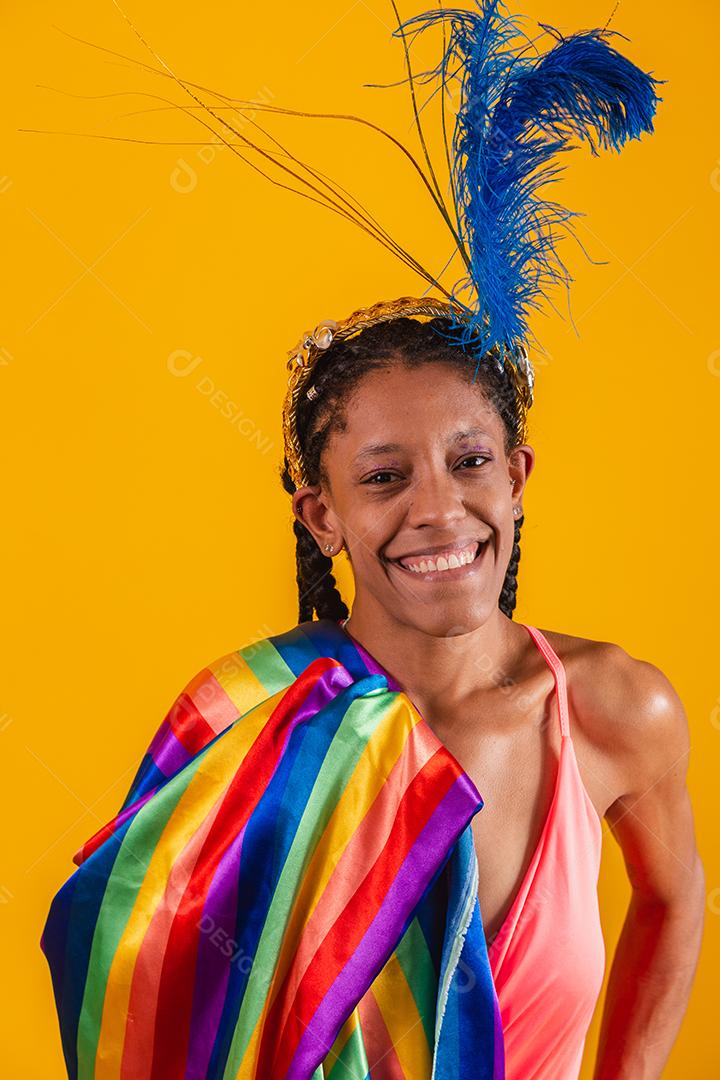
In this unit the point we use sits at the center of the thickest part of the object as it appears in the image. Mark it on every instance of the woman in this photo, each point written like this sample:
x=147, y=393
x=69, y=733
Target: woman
x=299, y=883
x=408, y=457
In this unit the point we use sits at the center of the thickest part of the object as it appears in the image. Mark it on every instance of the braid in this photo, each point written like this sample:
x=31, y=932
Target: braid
x=316, y=584
x=508, y=593
x=335, y=375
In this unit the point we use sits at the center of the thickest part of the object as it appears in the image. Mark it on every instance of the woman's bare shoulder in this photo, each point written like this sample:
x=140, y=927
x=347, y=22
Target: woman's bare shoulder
x=623, y=707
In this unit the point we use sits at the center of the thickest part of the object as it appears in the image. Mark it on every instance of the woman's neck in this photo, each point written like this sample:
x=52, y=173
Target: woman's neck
x=436, y=667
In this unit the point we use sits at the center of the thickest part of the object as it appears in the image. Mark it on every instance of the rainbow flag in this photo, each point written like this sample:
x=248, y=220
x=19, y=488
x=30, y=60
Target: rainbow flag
x=288, y=891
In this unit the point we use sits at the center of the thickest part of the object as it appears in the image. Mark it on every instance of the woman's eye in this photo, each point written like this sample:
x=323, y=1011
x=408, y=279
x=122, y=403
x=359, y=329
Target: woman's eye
x=375, y=482
x=476, y=457
x=374, y=477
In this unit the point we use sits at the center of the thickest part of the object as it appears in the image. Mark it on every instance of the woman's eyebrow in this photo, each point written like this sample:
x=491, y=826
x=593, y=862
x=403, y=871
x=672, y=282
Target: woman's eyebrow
x=387, y=448
x=377, y=448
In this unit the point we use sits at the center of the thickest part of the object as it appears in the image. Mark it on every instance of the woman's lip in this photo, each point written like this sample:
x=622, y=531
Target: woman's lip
x=437, y=575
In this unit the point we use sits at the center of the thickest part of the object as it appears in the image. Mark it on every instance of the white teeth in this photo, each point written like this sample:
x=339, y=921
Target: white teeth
x=427, y=566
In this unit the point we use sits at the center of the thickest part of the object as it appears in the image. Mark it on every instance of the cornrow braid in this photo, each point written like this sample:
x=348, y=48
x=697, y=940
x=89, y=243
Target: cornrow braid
x=336, y=374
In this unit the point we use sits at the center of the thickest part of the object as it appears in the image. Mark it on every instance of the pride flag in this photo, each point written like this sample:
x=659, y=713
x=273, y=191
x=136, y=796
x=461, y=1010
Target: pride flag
x=289, y=891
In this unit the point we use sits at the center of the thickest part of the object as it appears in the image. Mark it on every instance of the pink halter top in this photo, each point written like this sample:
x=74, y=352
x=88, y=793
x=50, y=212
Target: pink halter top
x=548, y=958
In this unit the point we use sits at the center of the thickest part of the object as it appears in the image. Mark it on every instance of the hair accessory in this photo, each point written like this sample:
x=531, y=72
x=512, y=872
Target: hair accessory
x=302, y=359
x=519, y=110
x=320, y=338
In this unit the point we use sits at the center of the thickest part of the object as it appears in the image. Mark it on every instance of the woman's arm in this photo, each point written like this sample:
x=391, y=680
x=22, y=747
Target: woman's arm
x=657, y=953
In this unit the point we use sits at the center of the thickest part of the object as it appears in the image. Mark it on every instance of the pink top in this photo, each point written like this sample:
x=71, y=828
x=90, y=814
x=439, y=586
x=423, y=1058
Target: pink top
x=548, y=958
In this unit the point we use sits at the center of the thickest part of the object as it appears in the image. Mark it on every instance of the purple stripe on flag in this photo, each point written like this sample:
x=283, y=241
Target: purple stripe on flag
x=217, y=950
x=216, y=946
x=166, y=750
x=433, y=843
x=499, y=1049
x=132, y=809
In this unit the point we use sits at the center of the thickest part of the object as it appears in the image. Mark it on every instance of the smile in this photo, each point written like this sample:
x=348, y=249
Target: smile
x=447, y=566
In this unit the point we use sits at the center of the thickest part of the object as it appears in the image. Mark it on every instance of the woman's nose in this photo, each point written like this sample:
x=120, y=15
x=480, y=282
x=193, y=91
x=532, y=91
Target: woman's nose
x=435, y=500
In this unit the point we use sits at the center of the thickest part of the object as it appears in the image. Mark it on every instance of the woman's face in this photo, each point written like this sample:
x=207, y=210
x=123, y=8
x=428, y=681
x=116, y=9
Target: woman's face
x=420, y=470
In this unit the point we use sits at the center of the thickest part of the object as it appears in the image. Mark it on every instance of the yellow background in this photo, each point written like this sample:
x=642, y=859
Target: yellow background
x=146, y=533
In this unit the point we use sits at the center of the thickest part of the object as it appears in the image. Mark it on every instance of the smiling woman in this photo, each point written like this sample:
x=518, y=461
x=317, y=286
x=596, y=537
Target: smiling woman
x=449, y=441
x=412, y=462
x=299, y=883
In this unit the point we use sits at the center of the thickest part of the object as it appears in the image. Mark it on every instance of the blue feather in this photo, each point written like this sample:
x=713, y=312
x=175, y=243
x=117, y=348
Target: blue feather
x=519, y=111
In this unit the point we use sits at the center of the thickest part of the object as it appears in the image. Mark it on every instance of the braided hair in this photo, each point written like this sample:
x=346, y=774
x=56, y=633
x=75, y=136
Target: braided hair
x=337, y=372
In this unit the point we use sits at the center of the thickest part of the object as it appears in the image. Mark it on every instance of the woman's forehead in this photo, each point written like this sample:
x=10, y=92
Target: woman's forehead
x=389, y=410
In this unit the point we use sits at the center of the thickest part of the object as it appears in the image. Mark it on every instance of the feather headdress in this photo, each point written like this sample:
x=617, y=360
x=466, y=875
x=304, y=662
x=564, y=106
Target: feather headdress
x=518, y=110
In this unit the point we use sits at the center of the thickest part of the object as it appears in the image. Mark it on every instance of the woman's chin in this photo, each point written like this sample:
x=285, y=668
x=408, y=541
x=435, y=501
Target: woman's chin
x=448, y=618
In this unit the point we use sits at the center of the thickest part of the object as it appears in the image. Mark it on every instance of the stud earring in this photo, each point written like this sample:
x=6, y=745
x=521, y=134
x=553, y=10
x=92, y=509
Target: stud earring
x=329, y=547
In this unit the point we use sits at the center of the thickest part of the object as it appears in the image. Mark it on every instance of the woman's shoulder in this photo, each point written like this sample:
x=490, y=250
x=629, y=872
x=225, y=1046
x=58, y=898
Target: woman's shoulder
x=623, y=707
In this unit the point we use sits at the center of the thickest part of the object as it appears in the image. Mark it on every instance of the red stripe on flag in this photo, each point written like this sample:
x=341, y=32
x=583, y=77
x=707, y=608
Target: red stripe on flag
x=254, y=772
x=188, y=724
x=298, y=997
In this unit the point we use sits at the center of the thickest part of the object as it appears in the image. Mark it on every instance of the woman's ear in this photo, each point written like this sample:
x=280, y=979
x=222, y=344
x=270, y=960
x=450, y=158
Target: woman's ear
x=521, y=462
x=309, y=507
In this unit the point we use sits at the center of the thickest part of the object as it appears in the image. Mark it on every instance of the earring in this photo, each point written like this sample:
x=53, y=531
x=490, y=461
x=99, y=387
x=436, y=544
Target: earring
x=517, y=510
x=329, y=547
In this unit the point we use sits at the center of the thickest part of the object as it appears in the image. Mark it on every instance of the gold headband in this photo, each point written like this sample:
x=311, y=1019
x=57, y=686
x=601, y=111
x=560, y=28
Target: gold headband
x=302, y=359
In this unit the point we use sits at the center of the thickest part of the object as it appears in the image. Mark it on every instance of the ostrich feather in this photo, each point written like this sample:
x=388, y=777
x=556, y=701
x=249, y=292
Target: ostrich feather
x=518, y=111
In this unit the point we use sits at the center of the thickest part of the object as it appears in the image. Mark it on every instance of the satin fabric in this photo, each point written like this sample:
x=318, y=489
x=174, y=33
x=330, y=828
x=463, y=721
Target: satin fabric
x=288, y=890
